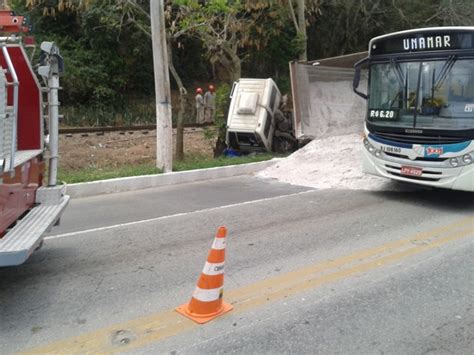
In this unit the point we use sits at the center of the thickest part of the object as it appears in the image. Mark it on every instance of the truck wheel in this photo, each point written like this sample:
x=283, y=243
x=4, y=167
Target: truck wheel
x=282, y=145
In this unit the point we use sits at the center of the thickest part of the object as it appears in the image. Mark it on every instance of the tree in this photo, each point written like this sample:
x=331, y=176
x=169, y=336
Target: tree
x=346, y=26
x=221, y=26
x=106, y=43
x=284, y=14
x=434, y=13
x=50, y=7
x=125, y=16
x=133, y=14
x=300, y=26
x=224, y=28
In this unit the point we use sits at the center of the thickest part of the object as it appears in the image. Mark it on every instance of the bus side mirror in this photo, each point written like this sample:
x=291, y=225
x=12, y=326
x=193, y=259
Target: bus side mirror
x=355, y=83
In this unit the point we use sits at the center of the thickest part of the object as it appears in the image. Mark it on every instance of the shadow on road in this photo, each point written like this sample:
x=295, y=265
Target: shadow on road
x=438, y=199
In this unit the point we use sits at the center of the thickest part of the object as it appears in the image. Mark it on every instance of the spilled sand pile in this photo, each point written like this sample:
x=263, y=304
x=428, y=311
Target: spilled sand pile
x=330, y=163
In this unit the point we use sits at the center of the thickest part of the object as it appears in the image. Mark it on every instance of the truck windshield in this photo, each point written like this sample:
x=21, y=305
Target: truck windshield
x=424, y=94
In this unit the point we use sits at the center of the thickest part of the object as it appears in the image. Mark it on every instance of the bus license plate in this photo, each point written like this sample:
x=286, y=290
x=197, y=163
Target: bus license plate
x=411, y=171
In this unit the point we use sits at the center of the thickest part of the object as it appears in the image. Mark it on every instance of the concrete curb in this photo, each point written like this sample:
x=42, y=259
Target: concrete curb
x=146, y=181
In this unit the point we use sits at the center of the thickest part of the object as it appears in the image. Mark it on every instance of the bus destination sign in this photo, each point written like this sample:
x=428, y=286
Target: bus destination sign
x=422, y=42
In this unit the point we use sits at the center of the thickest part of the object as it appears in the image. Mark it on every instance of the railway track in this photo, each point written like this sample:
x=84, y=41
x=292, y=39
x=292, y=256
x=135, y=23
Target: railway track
x=101, y=130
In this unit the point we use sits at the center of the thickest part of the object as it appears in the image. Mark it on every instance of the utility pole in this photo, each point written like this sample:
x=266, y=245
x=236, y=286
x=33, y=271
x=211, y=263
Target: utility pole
x=164, y=128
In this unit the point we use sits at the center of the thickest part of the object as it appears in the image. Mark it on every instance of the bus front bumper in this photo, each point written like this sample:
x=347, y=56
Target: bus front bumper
x=459, y=178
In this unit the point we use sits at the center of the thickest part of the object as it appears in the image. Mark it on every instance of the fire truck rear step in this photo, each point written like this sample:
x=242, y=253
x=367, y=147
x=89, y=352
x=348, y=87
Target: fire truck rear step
x=21, y=156
x=17, y=245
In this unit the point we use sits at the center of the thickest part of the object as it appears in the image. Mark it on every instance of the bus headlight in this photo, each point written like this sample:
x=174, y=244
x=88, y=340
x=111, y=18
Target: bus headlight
x=462, y=160
x=467, y=159
x=372, y=150
x=454, y=162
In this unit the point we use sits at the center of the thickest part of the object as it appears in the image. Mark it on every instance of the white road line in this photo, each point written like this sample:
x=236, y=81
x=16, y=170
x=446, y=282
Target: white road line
x=173, y=216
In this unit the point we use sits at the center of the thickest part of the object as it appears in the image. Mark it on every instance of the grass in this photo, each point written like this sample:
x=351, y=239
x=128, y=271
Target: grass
x=190, y=163
x=198, y=162
x=94, y=174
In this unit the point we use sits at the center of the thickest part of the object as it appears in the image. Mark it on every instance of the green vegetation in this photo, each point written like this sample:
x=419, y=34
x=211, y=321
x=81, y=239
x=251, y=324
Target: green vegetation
x=197, y=162
x=106, y=44
x=107, y=47
x=93, y=174
x=189, y=163
x=135, y=113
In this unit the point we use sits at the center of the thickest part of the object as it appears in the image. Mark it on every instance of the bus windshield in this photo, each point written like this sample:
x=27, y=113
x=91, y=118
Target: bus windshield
x=423, y=94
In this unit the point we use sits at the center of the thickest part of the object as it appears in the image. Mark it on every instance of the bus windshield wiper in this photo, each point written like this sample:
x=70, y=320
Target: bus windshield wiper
x=398, y=72
x=417, y=94
x=402, y=80
x=444, y=72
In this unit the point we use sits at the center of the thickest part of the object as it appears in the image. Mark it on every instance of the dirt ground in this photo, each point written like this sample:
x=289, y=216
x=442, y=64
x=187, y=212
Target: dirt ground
x=113, y=149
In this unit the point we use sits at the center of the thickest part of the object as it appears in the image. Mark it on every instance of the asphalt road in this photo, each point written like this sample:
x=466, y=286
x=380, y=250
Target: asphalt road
x=329, y=271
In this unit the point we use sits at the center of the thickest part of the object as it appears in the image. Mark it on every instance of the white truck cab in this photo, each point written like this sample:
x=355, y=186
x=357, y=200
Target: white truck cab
x=251, y=118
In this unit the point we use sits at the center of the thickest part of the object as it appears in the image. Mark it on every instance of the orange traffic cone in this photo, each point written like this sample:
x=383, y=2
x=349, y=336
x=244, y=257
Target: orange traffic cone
x=207, y=301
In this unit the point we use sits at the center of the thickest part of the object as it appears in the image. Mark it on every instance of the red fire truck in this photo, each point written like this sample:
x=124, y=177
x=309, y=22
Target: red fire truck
x=29, y=207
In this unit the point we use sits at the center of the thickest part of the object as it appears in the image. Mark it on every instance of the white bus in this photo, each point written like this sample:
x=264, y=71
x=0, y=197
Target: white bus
x=419, y=124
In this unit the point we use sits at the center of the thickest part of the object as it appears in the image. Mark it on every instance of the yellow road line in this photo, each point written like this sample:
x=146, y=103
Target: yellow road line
x=291, y=276
x=149, y=329
x=359, y=268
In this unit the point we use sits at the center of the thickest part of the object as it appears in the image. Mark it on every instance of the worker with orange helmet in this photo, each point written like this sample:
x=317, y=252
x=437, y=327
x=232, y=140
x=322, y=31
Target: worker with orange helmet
x=209, y=104
x=199, y=106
